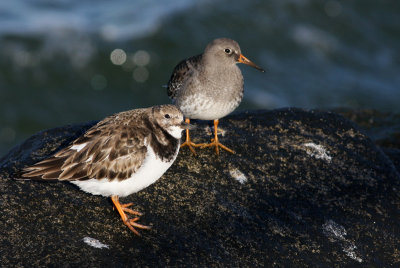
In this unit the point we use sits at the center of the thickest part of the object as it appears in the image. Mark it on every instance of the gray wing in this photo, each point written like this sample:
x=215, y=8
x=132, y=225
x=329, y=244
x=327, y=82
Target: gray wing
x=108, y=150
x=184, y=69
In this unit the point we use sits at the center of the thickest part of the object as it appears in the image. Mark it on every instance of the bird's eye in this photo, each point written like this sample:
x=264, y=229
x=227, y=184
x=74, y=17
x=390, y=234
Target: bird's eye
x=227, y=51
x=167, y=116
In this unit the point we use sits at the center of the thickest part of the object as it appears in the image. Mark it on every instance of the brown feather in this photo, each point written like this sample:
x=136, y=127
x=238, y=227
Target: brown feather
x=33, y=173
x=94, y=146
x=79, y=175
x=68, y=173
x=52, y=175
x=50, y=162
x=101, y=174
x=79, y=156
x=111, y=174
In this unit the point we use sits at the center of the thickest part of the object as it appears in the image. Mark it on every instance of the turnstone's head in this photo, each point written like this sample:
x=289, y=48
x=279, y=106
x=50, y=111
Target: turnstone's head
x=227, y=52
x=170, y=118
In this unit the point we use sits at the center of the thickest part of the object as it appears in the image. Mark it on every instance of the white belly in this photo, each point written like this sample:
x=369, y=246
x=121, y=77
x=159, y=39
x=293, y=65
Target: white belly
x=150, y=171
x=203, y=107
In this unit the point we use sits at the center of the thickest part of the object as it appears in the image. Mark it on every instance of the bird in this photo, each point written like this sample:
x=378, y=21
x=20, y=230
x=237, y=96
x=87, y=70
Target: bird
x=120, y=155
x=209, y=86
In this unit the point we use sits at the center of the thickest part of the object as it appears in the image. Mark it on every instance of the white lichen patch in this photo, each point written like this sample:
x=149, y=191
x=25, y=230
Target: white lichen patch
x=336, y=233
x=94, y=242
x=237, y=175
x=317, y=151
x=349, y=250
x=333, y=230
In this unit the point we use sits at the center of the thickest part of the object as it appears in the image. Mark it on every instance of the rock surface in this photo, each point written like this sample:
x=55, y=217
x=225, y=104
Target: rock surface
x=382, y=127
x=305, y=188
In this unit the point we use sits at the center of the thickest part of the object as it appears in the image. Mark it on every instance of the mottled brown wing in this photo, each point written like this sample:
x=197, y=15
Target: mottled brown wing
x=184, y=69
x=114, y=149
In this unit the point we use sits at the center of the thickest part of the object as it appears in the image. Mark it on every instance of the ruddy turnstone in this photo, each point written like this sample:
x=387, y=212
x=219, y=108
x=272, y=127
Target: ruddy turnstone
x=120, y=155
x=209, y=86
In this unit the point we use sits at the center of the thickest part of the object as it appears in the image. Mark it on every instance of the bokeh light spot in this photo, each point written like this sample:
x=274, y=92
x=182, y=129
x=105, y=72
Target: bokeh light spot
x=118, y=56
x=141, y=58
x=140, y=74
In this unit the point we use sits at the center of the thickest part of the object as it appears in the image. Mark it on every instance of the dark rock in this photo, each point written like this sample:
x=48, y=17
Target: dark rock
x=382, y=127
x=305, y=188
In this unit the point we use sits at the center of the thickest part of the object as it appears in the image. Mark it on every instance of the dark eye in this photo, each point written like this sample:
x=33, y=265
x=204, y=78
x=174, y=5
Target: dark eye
x=167, y=116
x=227, y=51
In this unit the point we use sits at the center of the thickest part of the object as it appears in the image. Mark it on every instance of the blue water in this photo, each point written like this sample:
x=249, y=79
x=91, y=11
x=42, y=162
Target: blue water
x=68, y=61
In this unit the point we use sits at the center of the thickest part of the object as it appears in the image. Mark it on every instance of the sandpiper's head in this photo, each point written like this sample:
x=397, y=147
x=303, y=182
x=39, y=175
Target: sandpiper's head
x=170, y=118
x=227, y=52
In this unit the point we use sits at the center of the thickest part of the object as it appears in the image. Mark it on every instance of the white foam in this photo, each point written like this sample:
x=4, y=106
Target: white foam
x=114, y=20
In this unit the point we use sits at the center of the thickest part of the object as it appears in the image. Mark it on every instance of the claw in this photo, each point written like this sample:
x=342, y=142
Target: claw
x=137, y=225
x=214, y=141
x=188, y=141
x=131, y=223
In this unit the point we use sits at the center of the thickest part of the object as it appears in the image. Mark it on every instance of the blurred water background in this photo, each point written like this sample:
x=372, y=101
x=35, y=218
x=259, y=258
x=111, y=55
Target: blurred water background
x=69, y=61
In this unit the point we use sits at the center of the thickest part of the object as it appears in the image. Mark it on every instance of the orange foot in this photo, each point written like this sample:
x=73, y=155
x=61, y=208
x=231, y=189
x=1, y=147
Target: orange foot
x=188, y=141
x=190, y=144
x=214, y=142
x=131, y=223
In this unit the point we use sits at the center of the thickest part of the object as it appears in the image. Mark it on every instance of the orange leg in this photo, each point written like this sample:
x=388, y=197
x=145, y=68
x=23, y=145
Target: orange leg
x=131, y=223
x=188, y=142
x=214, y=142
